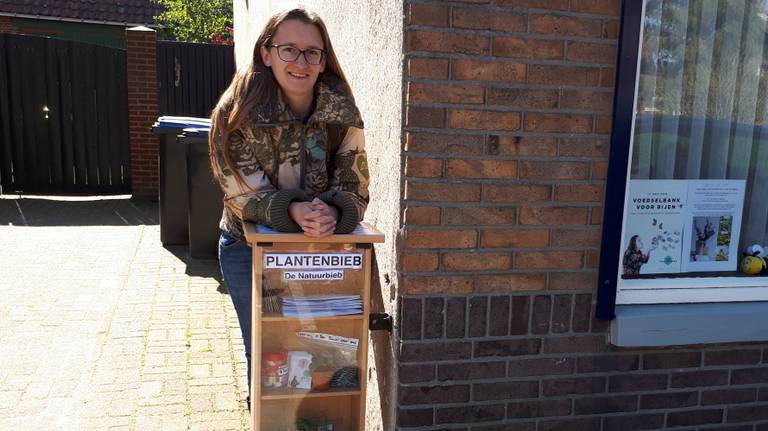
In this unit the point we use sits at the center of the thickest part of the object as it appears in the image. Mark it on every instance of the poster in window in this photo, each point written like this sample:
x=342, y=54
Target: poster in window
x=653, y=234
x=713, y=224
x=675, y=226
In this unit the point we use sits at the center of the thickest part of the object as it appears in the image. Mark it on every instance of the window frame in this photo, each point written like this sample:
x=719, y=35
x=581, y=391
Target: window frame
x=625, y=93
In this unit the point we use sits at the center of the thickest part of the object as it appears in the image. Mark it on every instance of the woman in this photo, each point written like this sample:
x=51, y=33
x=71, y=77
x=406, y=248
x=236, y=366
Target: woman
x=287, y=148
x=634, y=257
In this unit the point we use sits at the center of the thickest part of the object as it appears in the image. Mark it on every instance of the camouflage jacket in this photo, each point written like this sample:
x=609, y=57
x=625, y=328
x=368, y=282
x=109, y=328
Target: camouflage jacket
x=282, y=159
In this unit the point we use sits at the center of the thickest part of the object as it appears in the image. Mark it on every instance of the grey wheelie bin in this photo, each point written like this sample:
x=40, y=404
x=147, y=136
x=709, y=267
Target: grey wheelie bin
x=174, y=227
x=204, y=196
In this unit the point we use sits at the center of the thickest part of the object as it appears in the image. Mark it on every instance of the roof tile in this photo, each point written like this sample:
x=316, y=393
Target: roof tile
x=122, y=11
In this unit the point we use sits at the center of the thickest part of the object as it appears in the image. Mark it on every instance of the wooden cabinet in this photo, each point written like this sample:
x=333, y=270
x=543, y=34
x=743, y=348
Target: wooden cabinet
x=310, y=317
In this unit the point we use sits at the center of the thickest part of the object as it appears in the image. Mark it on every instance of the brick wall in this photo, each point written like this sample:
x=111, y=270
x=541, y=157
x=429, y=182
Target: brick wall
x=6, y=26
x=508, y=107
x=142, y=111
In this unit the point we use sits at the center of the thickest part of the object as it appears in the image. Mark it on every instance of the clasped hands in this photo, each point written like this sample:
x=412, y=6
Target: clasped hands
x=317, y=219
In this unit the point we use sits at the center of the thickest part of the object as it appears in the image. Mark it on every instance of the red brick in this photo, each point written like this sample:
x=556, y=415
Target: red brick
x=488, y=71
x=509, y=283
x=448, y=42
x=583, y=52
x=469, y=413
x=596, y=101
x=563, y=123
x=443, y=238
x=522, y=146
x=425, y=117
x=442, y=192
x=605, y=404
x=516, y=193
x=583, y=147
x=427, y=14
x=427, y=284
x=483, y=19
x=657, y=361
x=528, y=48
x=737, y=356
x=480, y=216
x=579, y=192
x=599, y=7
x=549, y=259
x=566, y=26
x=443, y=144
x=471, y=371
x=515, y=238
x=701, y=417
x=417, y=167
x=445, y=93
x=611, y=29
x=523, y=98
x=481, y=169
x=592, y=259
x=538, y=4
x=553, y=216
x=422, y=215
x=432, y=394
x=607, y=77
x=599, y=170
x=476, y=261
x=576, y=237
x=428, y=68
x=576, y=344
x=563, y=75
x=419, y=262
x=603, y=124
x=506, y=390
x=597, y=215
x=543, y=170
x=572, y=280
x=468, y=119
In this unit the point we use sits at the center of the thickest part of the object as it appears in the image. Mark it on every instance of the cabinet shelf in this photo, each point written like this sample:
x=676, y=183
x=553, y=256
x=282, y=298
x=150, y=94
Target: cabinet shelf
x=273, y=334
x=287, y=393
x=273, y=317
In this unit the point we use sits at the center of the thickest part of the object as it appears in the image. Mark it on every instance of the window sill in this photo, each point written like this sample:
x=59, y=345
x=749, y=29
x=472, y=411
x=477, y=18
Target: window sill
x=676, y=324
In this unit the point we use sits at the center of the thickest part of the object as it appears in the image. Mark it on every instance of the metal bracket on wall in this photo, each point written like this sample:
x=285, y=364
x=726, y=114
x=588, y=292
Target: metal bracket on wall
x=379, y=322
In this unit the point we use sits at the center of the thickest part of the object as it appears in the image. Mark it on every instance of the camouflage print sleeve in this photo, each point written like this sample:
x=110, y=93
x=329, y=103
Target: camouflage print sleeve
x=254, y=199
x=348, y=189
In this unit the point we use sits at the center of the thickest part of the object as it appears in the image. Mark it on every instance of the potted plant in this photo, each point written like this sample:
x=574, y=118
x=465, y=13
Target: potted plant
x=321, y=369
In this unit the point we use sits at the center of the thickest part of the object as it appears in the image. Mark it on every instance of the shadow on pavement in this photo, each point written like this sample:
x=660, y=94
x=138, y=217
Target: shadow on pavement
x=198, y=267
x=18, y=210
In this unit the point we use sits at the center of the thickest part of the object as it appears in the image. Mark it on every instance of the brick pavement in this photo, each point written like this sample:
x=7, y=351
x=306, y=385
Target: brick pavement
x=102, y=328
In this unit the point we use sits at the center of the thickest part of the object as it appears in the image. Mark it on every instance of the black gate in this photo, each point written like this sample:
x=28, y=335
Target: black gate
x=63, y=117
x=192, y=76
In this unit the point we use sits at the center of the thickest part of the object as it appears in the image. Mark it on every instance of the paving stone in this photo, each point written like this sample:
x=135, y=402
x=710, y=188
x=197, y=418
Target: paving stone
x=121, y=337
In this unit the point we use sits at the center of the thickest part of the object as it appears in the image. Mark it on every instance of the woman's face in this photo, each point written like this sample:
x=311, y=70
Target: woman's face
x=296, y=78
x=639, y=243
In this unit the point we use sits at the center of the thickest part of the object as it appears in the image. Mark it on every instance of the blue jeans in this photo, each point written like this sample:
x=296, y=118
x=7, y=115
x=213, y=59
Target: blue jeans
x=235, y=261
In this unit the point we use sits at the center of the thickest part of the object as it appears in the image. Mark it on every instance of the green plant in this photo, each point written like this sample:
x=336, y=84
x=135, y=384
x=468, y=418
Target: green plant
x=201, y=21
x=321, y=362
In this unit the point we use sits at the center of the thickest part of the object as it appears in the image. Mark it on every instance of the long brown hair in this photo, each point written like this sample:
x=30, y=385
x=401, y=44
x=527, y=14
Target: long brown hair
x=255, y=85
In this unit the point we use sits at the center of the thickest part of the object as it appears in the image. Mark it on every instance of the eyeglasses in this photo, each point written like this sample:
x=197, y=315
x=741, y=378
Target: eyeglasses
x=313, y=56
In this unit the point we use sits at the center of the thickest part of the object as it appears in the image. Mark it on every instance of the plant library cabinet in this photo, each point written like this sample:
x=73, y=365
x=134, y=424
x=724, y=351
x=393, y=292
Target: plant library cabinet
x=309, y=345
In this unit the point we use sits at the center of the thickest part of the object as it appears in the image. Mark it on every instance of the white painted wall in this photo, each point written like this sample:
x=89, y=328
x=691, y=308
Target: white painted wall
x=367, y=36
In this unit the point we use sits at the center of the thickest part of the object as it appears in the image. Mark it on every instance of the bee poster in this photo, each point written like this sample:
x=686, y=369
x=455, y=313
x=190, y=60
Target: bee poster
x=653, y=228
x=713, y=224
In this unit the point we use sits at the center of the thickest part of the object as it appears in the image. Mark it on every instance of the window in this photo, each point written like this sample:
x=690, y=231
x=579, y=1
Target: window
x=688, y=175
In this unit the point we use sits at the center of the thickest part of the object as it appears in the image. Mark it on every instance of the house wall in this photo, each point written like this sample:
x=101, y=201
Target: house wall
x=367, y=37
x=507, y=123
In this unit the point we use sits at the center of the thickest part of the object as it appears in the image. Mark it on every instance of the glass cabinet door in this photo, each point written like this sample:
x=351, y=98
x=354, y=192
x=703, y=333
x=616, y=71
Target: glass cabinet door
x=312, y=332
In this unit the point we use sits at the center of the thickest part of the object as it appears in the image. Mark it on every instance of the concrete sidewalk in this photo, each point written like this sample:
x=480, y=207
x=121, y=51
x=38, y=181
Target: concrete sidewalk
x=102, y=328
